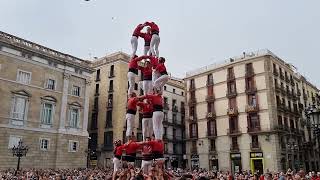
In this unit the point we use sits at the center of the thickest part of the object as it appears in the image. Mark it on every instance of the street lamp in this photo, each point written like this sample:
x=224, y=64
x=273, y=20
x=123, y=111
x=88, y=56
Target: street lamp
x=19, y=151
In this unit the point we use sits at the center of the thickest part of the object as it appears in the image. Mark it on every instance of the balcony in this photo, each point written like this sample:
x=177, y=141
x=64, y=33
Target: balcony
x=252, y=108
x=231, y=94
x=193, y=150
x=234, y=132
x=292, y=82
x=251, y=90
x=281, y=76
x=210, y=98
x=249, y=73
x=289, y=94
x=211, y=134
x=231, y=77
x=210, y=83
x=111, y=74
x=283, y=91
x=277, y=88
x=192, y=88
x=166, y=106
x=255, y=146
x=211, y=115
x=174, y=108
x=192, y=118
x=287, y=79
x=294, y=96
x=253, y=129
x=192, y=101
x=232, y=112
x=279, y=128
x=234, y=148
x=182, y=110
x=305, y=97
x=281, y=107
x=275, y=72
x=298, y=93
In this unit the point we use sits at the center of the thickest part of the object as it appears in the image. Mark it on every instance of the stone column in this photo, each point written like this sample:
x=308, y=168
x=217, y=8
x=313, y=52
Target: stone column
x=86, y=106
x=64, y=100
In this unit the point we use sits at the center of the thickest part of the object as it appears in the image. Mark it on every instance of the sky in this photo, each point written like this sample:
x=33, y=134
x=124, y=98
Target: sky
x=194, y=33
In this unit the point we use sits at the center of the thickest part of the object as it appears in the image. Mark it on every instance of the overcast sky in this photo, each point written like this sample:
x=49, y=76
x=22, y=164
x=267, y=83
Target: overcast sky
x=194, y=33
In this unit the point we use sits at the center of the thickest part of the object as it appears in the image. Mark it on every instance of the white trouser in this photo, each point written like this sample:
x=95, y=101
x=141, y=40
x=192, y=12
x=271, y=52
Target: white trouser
x=155, y=76
x=146, y=166
x=130, y=124
x=131, y=79
x=157, y=119
x=160, y=82
x=146, y=128
x=116, y=164
x=147, y=87
x=134, y=45
x=146, y=50
x=154, y=45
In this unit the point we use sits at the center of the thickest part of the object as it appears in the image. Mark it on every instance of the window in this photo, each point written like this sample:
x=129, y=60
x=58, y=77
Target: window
x=51, y=84
x=108, y=139
x=139, y=137
x=111, y=86
x=211, y=128
x=97, y=89
x=24, y=77
x=174, y=90
x=75, y=90
x=94, y=121
x=193, y=130
x=174, y=133
x=174, y=103
x=254, y=120
x=249, y=68
x=110, y=100
x=98, y=75
x=165, y=88
x=234, y=141
x=230, y=73
x=47, y=113
x=96, y=103
x=73, y=146
x=165, y=131
x=174, y=148
x=44, y=144
x=135, y=86
x=182, y=93
x=112, y=71
x=252, y=100
x=93, y=143
x=250, y=83
x=19, y=108
x=174, y=118
x=165, y=100
x=74, y=117
x=14, y=141
x=209, y=79
x=274, y=67
x=212, y=145
x=232, y=87
x=192, y=84
x=233, y=123
x=232, y=103
x=254, y=140
x=109, y=119
x=166, y=147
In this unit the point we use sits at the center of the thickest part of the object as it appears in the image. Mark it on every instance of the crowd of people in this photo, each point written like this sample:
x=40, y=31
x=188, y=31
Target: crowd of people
x=128, y=172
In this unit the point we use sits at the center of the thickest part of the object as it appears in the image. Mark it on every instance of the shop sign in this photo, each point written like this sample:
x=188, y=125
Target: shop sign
x=256, y=155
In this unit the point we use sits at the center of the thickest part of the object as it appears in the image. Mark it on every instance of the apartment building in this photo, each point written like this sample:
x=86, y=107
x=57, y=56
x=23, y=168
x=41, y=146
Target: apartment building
x=174, y=123
x=44, y=103
x=247, y=114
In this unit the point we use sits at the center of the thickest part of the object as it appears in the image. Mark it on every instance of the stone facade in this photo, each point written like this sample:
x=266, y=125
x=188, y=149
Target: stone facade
x=25, y=71
x=174, y=123
x=234, y=120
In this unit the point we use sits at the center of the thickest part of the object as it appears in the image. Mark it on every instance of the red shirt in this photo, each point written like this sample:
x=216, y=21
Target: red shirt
x=146, y=109
x=118, y=150
x=153, y=61
x=133, y=63
x=137, y=30
x=161, y=68
x=146, y=149
x=132, y=105
x=147, y=38
x=131, y=147
x=156, y=101
x=147, y=72
x=157, y=146
x=154, y=27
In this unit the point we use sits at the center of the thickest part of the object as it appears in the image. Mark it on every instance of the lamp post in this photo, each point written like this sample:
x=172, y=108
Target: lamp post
x=19, y=151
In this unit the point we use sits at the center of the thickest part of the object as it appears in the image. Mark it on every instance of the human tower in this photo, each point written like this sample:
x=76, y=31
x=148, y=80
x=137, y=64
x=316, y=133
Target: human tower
x=155, y=76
